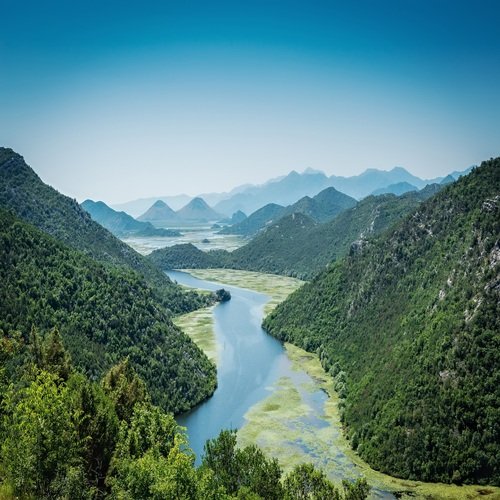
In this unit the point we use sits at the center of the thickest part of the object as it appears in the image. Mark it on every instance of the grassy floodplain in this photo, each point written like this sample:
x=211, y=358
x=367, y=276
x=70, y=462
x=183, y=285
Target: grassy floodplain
x=278, y=424
x=278, y=288
x=199, y=325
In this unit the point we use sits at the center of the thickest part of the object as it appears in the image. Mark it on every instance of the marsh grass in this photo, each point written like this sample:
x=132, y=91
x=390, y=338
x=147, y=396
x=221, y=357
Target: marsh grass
x=278, y=288
x=199, y=325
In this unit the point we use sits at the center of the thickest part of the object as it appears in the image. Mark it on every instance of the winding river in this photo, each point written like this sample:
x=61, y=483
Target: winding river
x=252, y=369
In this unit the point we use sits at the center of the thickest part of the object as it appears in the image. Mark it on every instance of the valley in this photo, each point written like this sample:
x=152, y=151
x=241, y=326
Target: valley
x=296, y=418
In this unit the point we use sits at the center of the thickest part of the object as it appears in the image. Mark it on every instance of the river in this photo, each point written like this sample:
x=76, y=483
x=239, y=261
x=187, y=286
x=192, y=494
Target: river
x=253, y=366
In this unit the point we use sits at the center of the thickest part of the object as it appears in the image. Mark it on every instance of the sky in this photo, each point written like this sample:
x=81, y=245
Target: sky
x=116, y=100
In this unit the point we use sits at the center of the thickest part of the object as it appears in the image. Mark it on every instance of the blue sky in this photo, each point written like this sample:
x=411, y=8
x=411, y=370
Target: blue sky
x=121, y=100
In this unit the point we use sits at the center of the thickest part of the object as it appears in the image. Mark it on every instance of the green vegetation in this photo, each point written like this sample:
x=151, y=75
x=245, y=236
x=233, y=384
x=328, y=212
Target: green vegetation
x=408, y=324
x=296, y=245
x=23, y=192
x=256, y=221
x=104, y=314
x=278, y=288
x=199, y=325
x=69, y=437
x=320, y=208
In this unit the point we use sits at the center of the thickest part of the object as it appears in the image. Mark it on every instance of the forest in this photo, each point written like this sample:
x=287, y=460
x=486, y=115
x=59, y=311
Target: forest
x=409, y=326
x=66, y=436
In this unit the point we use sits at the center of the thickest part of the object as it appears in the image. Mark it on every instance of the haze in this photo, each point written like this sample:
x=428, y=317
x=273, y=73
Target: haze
x=116, y=101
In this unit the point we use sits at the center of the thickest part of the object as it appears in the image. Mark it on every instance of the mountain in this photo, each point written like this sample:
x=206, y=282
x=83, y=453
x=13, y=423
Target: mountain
x=409, y=325
x=256, y=221
x=138, y=207
x=23, y=192
x=302, y=248
x=281, y=191
x=295, y=244
x=372, y=179
x=197, y=210
x=160, y=213
x=322, y=207
x=397, y=189
x=448, y=180
x=104, y=314
x=122, y=224
x=236, y=218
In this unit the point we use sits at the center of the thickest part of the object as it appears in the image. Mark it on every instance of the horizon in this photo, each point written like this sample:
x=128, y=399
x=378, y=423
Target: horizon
x=121, y=102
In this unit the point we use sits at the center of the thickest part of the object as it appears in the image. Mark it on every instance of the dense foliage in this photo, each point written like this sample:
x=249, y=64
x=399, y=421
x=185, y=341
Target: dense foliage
x=409, y=324
x=22, y=191
x=104, y=314
x=68, y=437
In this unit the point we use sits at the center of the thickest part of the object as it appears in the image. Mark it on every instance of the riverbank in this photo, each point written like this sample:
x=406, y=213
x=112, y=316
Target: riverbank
x=277, y=287
x=298, y=420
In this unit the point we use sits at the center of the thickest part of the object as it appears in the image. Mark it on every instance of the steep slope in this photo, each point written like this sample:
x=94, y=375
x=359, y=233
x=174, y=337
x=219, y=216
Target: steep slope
x=397, y=189
x=323, y=206
x=256, y=221
x=22, y=191
x=302, y=251
x=104, y=315
x=159, y=213
x=197, y=210
x=410, y=327
x=122, y=224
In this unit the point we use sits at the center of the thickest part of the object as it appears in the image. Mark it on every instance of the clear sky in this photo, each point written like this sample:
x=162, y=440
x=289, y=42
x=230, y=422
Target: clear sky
x=117, y=100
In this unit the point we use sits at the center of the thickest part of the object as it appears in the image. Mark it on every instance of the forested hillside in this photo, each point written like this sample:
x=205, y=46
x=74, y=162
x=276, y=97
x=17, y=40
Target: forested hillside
x=22, y=191
x=409, y=324
x=65, y=436
x=296, y=245
x=104, y=314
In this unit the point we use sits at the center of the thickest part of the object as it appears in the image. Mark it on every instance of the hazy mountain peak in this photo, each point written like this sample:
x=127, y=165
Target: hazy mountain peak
x=312, y=171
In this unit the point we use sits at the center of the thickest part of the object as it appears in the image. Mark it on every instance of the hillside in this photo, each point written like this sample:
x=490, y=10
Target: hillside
x=159, y=212
x=256, y=221
x=297, y=246
x=410, y=327
x=302, y=249
x=122, y=224
x=23, y=192
x=104, y=314
x=197, y=210
x=322, y=207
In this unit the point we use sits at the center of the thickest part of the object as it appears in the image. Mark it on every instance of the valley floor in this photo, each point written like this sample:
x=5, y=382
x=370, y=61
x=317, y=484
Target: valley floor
x=278, y=424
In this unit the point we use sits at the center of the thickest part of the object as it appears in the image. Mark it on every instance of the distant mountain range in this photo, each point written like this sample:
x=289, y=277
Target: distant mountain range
x=295, y=244
x=286, y=190
x=122, y=224
x=196, y=211
x=397, y=189
x=322, y=207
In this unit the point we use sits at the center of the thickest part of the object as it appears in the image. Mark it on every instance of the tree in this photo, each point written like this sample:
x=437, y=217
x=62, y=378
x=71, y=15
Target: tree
x=152, y=459
x=41, y=446
x=307, y=483
x=124, y=387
